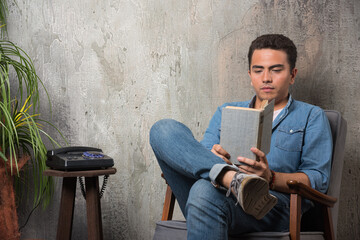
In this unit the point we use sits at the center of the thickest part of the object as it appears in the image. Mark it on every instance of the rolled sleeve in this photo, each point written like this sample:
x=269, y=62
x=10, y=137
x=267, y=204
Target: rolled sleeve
x=317, y=151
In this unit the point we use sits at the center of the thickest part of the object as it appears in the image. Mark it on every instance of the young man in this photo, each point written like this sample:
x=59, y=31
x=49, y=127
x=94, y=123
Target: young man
x=202, y=178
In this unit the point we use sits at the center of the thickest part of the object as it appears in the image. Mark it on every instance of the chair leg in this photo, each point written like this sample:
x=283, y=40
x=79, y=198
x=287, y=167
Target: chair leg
x=169, y=204
x=295, y=216
x=328, y=224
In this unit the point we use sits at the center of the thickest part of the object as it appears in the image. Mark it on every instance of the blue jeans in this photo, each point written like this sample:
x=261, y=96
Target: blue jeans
x=209, y=214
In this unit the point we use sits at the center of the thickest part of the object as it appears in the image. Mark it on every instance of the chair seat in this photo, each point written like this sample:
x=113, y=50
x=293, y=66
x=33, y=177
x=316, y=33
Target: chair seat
x=176, y=230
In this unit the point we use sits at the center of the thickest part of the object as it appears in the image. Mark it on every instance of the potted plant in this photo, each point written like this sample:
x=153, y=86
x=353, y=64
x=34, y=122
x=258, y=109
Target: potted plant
x=21, y=133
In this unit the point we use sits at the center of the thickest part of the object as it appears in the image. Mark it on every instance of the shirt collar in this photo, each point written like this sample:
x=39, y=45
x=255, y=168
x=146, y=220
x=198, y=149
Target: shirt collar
x=283, y=113
x=252, y=102
x=290, y=100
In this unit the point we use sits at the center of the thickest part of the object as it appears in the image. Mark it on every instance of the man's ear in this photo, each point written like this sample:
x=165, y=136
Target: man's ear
x=250, y=77
x=293, y=75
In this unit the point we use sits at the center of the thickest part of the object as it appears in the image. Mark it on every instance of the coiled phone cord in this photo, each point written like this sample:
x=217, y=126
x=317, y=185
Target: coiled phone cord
x=102, y=190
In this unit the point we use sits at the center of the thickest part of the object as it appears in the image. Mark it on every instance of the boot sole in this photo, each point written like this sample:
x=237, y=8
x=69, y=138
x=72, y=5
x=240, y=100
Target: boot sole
x=256, y=200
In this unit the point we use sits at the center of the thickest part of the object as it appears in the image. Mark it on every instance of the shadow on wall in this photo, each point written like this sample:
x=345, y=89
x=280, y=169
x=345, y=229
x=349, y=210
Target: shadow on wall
x=298, y=21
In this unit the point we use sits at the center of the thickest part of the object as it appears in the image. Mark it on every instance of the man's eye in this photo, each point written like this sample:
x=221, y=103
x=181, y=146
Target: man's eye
x=276, y=70
x=257, y=71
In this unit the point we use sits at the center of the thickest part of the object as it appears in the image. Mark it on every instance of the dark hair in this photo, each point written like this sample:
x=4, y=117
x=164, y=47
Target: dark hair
x=275, y=42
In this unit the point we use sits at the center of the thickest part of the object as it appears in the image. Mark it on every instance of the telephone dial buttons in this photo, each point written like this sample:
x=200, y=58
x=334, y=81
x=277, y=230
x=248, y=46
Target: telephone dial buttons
x=93, y=154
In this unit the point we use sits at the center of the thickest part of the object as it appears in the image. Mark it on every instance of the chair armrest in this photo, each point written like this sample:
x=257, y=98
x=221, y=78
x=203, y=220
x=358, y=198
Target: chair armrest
x=310, y=193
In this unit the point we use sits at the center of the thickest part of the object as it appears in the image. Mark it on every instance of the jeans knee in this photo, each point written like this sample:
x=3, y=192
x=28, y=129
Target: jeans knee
x=166, y=130
x=160, y=129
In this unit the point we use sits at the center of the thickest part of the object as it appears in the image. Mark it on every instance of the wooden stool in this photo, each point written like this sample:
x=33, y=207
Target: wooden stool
x=93, y=208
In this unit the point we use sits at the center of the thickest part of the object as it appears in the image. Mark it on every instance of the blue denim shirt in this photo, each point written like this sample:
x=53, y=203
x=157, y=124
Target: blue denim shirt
x=301, y=140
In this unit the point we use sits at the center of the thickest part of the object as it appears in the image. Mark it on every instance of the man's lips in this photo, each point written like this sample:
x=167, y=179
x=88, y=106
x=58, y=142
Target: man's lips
x=267, y=88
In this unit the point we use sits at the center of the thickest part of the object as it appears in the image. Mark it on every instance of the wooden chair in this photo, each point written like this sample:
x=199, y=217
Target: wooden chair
x=318, y=223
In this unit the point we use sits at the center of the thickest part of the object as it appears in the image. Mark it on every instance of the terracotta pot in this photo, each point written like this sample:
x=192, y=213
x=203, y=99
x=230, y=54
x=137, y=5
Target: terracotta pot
x=9, y=226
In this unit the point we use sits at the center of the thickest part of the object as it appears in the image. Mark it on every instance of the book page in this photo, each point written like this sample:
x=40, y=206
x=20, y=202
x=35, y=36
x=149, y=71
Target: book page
x=239, y=132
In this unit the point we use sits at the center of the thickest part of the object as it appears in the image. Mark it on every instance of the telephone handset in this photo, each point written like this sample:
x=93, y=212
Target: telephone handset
x=72, y=149
x=78, y=158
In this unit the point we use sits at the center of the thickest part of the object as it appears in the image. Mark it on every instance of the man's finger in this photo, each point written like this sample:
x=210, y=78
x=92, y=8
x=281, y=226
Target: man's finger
x=227, y=160
x=248, y=162
x=261, y=155
x=219, y=149
x=221, y=156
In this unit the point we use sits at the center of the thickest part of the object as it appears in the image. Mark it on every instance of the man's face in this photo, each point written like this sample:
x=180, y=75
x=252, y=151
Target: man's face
x=271, y=76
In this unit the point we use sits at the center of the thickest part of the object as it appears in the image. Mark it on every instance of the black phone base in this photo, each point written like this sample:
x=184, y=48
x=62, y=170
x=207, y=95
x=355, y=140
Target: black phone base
x=93, y=207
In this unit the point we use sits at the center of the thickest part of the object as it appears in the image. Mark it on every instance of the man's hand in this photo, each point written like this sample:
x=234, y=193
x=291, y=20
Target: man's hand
x=260, y=168
x=220, y=152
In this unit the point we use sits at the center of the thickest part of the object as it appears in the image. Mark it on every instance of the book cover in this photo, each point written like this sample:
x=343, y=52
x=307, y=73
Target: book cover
x=244, y=128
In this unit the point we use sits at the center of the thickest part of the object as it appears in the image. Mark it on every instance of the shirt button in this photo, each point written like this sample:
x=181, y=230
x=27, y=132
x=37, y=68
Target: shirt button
x=291, y=131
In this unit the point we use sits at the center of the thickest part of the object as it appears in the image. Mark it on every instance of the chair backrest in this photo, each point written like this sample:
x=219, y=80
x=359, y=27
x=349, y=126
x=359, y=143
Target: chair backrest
x=338, y=129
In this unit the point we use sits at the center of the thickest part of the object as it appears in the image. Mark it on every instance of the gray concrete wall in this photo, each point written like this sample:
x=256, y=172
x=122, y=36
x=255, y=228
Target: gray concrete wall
x=113, y=68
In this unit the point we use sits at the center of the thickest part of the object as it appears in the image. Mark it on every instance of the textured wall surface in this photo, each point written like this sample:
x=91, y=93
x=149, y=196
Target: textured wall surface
x=113, y=68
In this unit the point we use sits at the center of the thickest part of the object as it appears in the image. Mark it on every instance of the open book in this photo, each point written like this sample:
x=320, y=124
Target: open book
x=244, y=128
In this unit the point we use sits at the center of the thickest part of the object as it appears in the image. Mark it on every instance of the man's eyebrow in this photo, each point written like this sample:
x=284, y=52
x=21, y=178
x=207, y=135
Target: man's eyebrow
x=276, y=66
x=257, y=66
x=271, y=67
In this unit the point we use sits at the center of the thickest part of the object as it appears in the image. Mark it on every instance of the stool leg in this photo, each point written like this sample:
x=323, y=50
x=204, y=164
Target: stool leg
x=93, y=208
x=66, y=211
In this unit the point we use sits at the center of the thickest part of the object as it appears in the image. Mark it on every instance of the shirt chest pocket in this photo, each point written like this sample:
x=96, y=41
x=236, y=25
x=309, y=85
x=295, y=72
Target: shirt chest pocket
x=289, y=139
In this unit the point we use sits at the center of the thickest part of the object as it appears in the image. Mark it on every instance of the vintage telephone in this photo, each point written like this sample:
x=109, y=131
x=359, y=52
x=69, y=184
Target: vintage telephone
x=78, y=158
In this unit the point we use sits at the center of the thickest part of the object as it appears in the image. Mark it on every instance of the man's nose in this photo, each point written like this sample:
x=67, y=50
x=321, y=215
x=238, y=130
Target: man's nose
x=267, y=76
